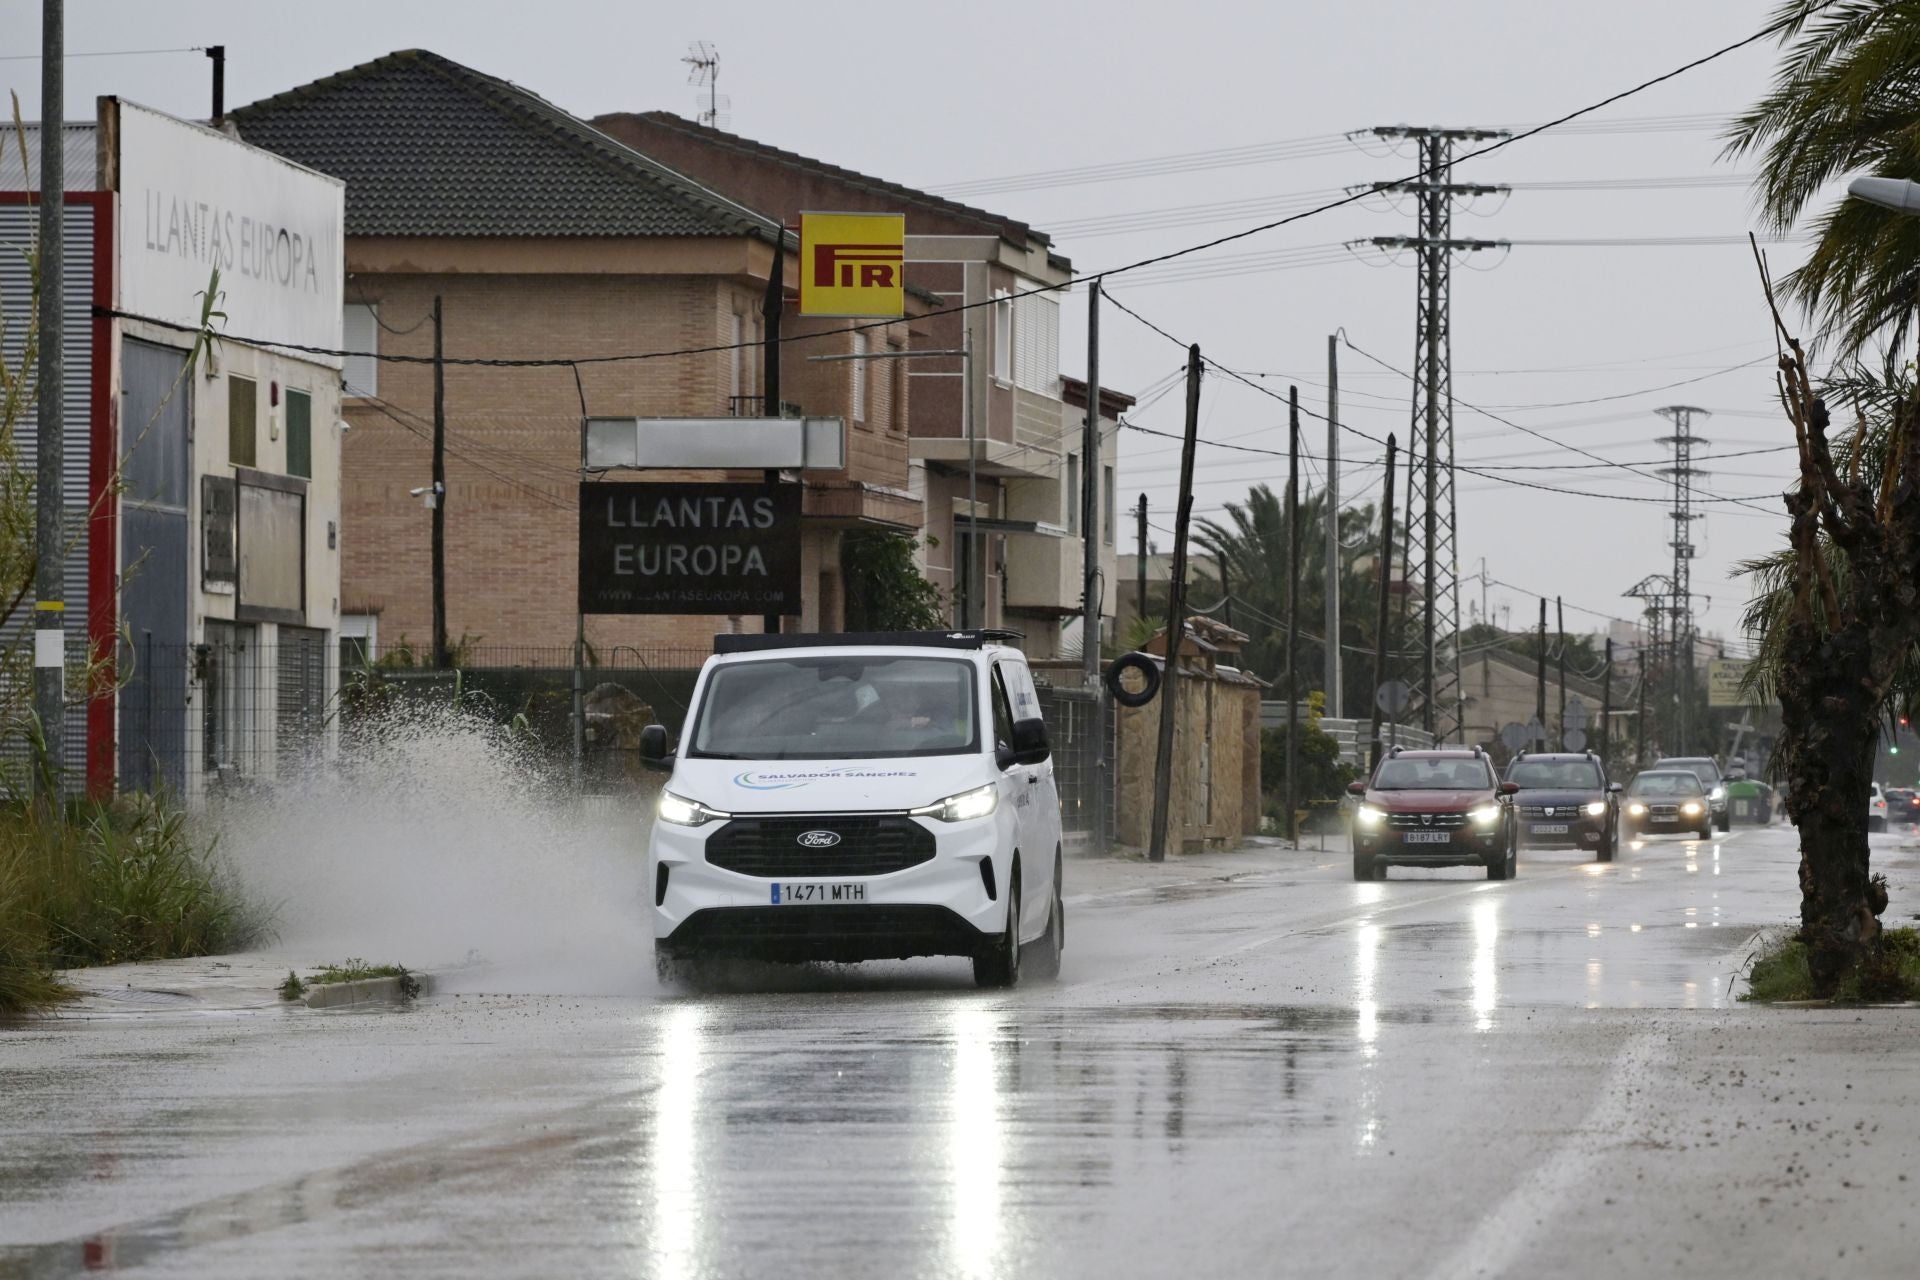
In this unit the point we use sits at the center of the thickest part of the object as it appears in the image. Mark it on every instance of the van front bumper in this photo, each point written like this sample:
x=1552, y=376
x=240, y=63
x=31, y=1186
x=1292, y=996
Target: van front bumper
x=941, y=906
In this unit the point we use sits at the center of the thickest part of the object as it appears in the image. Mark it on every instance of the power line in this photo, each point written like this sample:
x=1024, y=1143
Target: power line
x=1566, y=122
x=104, y=53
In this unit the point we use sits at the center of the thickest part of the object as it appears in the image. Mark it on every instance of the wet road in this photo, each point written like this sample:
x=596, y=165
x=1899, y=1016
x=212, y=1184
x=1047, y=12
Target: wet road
x=1253, y=1067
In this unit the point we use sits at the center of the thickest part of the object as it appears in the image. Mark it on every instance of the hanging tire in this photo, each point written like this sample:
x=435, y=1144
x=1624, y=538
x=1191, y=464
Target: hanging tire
x=1149, y=671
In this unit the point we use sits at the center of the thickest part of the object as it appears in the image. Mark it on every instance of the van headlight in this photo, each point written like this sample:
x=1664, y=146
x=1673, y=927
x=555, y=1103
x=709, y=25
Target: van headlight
x=1486, y=815
x=1369, y=815
x=682, y=812
x=1596, y=807
x=965, y=807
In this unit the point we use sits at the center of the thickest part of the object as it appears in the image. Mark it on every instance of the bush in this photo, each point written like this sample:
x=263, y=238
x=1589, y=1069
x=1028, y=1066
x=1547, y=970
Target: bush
x=106, y=885
x=1890, y=973
x=1319, y=774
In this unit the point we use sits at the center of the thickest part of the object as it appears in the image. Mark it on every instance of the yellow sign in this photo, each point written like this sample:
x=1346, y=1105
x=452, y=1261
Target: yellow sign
x=853, y=266
x=1723, y=682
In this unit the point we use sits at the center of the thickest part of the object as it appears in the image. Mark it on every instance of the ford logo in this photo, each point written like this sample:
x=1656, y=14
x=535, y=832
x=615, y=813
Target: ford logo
x=817, y=839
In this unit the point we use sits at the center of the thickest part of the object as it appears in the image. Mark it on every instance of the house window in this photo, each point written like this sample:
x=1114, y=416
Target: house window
x=359, y=640
x=1036, y=342
x=360, y=331
x=243, y=414
x=299, y=434
x=1002, y=336
x=1108, y=495
x=859, y=367
x=1072, y=493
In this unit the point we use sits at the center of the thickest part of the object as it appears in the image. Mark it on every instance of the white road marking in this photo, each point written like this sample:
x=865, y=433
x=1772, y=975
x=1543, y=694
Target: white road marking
x=1542, y=1193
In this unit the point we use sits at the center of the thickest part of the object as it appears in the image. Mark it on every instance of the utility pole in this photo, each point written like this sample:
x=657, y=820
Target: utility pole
x=1560, y=626
x=773, y=305
x=218, y=53
x=1540, y=681
x=1640, y=721
x=49, y=572
x=1140, y=559
x=1431, y=487
x=1335, y=702
x=1606, y=705
x=1090, y=461
x=439, y=491
x=1293, y=598
x=1680, y=603
x=1176, y=617
x=1386, y=584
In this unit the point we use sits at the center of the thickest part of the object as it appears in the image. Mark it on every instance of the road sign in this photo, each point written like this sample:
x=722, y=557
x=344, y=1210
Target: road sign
x=1576, y=717
x=1393, y=697
x=1575, y=739
x=1516, y=736
x=1723, y=682
x=853, y=265
x=689, y=548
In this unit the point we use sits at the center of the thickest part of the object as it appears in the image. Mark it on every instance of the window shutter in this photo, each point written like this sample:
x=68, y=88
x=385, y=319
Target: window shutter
x=299, y=434
x=360, y=331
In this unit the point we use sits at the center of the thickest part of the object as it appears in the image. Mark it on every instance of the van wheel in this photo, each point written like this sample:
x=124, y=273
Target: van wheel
x=1045, y=963
x=998, y=963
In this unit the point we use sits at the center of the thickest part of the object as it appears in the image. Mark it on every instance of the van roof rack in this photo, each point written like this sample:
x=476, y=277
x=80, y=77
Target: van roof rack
x=971, y=638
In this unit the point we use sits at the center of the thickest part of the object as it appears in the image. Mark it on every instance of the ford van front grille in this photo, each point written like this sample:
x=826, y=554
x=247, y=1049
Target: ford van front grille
x=819, y=845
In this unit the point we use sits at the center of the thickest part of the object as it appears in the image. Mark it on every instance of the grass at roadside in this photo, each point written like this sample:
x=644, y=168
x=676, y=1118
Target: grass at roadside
x=1781, y=973
x=354, y=970
x=106, y=884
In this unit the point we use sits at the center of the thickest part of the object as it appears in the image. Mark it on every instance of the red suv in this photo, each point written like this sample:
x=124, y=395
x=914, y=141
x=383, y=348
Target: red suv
x=1434, y=809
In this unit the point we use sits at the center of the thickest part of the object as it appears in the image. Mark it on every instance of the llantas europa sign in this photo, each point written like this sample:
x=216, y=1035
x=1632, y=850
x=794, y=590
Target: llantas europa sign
x=689, y=548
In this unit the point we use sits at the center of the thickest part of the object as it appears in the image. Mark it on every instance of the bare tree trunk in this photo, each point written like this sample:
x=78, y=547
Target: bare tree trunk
x=1829, y=710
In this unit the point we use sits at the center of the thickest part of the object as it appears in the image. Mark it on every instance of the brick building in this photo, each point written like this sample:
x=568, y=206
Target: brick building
x=545, y=239
x=1028, y=435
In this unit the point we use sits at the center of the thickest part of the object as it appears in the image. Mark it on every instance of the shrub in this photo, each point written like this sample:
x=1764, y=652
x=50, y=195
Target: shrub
x=106, y=884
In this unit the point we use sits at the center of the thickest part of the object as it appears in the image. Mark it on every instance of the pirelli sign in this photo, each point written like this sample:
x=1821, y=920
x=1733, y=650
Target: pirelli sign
x=853, y=265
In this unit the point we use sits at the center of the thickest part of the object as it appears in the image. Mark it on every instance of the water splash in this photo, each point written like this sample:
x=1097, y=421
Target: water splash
x=440, y=841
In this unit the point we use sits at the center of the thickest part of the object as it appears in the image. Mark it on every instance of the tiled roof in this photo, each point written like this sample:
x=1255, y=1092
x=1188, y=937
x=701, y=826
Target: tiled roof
x=1011, y=228
x=428, y=147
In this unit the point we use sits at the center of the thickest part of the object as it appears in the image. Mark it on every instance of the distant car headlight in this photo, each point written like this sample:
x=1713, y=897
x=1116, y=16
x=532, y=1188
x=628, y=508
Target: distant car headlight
x=1596, y=808
x=964, y=807
x=1691, y=808
x=1370, y=815
x=1637, y=809
x=1718, y=793
x=1486, y=815
x=682, y=812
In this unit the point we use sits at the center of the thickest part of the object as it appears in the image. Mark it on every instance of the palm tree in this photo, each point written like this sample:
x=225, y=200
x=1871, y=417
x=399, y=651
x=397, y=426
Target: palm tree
x=1845, y=100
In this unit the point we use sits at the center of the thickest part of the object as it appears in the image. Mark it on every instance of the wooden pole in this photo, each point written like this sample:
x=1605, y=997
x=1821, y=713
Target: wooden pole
x=1176, y=618
x=1386, y=583
x=1293, y=600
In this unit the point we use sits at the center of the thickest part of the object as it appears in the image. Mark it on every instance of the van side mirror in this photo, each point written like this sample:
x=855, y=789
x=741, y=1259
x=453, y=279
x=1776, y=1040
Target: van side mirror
x=1030, y=742
x=1509, y=788
x=654, y=753
x=1356, y=788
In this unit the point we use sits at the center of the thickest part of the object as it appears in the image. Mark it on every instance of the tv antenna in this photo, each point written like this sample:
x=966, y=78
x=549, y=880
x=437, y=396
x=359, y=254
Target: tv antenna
x=703, y=68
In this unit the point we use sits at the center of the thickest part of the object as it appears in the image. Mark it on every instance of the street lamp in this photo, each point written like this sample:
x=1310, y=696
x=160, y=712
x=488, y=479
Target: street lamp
x=1896, y=194
x=964, y=352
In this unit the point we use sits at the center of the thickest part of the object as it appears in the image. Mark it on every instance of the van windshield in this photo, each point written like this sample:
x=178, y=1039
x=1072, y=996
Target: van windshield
x=860, y=707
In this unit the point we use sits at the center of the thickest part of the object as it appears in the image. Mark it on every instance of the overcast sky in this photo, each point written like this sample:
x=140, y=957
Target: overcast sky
x=940, y=96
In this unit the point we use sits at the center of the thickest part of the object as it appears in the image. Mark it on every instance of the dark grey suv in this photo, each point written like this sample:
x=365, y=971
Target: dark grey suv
x=1565, y=801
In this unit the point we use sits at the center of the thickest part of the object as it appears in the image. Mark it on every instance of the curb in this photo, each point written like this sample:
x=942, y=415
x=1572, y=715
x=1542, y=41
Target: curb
x=333, y=995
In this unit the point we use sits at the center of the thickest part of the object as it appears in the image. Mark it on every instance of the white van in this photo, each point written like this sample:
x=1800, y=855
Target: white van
x=859, y=797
